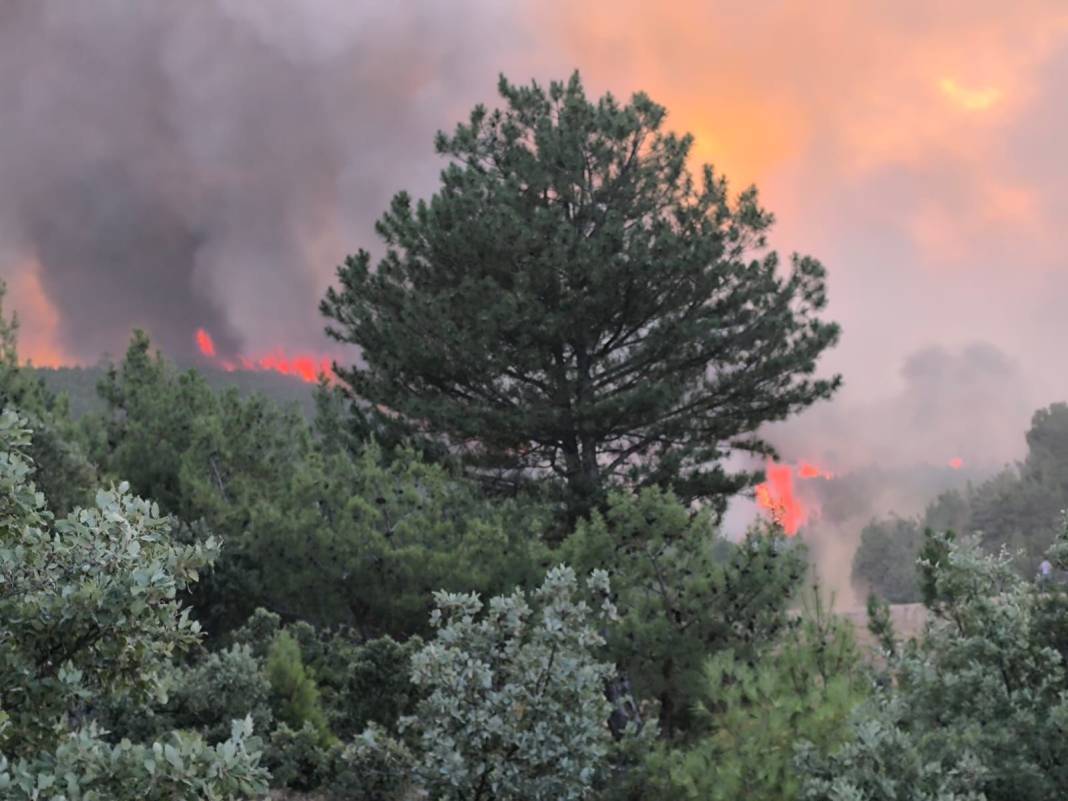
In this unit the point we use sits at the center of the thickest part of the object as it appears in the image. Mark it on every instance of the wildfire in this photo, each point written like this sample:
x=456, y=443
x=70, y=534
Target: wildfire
x=809, y=470
x=205, y=343
x=306, y=368
x=777, y=496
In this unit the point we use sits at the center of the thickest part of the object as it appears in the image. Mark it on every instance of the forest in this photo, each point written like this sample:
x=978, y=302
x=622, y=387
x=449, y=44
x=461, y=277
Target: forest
x=484, y=559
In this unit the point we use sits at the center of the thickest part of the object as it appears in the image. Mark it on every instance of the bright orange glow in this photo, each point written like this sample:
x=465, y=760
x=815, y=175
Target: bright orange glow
x=38, y=337
x=809, y=470
x=205, y=343
x=776, y=496
x=306, y=368
x=956, y=463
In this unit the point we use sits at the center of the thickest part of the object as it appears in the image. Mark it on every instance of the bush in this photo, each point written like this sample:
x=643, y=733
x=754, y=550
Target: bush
x=515, y=707
x=753, y=714
x=975, y=709
x=373, y=767
x=365, y=682
x=297, y=758
x=294, y=694
x=88, y=614
x=179, y=768
x=225, y=685
x=886, y=559
x=684, y=592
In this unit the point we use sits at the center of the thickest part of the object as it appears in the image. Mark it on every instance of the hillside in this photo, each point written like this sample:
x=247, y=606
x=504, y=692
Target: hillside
x=79, y=384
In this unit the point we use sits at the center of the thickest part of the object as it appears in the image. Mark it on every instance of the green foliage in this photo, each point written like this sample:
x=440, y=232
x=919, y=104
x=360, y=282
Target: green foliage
x=314, y=531
x=514, y=707
x=573, y=305
x=297, y=758
x=258, y=632
x=224, y=685
x=294, y=692
x=373, y=767
x=181, y=768
x=886, y=559
x=977, y=708
x=88, y=613
x=204, y=696
x=365, y=682
x=683, y=593
x=1017, y=509
x=753, y=714
x=1047, y=444
x=65, y=475
x=88, y=602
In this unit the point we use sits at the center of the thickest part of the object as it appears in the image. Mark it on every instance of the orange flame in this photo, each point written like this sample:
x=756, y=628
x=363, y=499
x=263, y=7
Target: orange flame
x=777, y=497
x=809, y=470
x=306, y=368
x=205, y=343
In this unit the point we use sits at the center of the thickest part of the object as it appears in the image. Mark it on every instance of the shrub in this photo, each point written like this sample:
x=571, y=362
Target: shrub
x=88, y=614
x=515, y=707
x=293, y=690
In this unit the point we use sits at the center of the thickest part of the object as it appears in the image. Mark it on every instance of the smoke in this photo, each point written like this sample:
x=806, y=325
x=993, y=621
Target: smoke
x=959, y=416
x=202, y=164
x=973, y=403
x=192, y=165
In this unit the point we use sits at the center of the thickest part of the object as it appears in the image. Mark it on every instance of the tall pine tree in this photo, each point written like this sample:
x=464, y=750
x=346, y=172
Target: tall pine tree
x=573, y=305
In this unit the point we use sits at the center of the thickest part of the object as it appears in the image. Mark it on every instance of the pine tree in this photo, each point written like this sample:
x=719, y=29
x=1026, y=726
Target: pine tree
x=573, y=305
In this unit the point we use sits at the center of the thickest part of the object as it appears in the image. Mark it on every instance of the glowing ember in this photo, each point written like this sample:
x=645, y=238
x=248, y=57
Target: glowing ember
x=956, y=463
x=809, y=470
x=306, y=368
x=205, y=343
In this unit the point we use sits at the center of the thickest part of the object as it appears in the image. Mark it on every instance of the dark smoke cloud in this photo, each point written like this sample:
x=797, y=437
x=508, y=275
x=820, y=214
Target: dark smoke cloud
x=175, y=165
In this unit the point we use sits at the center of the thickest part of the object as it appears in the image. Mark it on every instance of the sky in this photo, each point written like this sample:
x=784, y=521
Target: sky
x=202, y=164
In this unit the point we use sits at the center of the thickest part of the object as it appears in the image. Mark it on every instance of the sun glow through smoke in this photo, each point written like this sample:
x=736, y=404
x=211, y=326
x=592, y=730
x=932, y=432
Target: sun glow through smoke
x=969, y=99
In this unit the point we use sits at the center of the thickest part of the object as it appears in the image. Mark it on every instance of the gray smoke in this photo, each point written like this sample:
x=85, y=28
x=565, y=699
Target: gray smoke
x=175, y=165
x=973, y=402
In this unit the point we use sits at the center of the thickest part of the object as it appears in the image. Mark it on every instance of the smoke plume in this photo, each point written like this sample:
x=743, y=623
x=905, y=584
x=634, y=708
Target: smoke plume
x=203, y=165
x=206, y=164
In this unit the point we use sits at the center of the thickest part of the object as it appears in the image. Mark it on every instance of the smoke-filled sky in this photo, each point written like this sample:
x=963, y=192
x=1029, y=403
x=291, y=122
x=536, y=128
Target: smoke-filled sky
x=178, y=165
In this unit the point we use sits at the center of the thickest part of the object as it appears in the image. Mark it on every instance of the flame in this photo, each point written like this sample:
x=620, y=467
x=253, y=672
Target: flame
x=777, y=496
x=205, y=343
x=956, y=463
x=306, y=368
x=39, y=340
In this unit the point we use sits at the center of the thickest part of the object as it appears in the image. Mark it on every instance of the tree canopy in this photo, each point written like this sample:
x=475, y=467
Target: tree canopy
x=573, y=304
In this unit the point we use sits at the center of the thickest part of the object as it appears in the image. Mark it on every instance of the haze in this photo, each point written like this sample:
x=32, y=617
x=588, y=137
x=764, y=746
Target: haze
x=190, y=165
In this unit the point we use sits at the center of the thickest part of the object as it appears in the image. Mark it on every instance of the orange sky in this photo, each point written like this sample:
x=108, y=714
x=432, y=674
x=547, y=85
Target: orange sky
x=907, y=145
x=915, y=147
